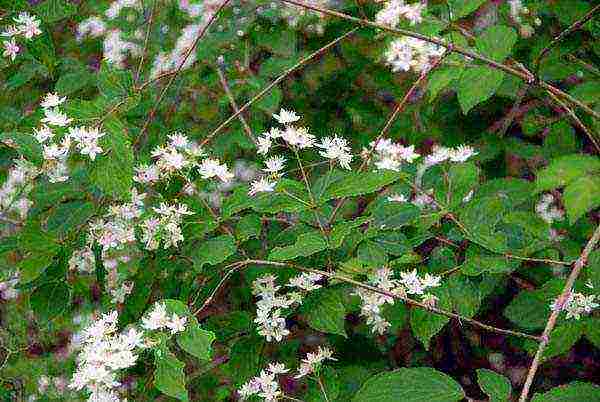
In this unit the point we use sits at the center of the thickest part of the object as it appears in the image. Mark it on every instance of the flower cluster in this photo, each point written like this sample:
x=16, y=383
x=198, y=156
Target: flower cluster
x=265, y=384
x=335, y=148
x=26, y=26
x=16, y=188
x=548, y=209
x=576, y=305
x=270, y=305
x=104, y=352
x=165, y=226
x=389, y=155
x=159, y=319
x=8, y=288
x=406, y=53
x=410, y=283
x=394, y=10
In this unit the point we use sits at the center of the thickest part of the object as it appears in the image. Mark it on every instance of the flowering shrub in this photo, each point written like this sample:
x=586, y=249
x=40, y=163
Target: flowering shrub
x=306, y=200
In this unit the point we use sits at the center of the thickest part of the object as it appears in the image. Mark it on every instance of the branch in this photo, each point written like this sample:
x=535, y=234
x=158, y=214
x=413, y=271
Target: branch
x=142, y=136
x=577, y=266
x=527, y=77
x=266, y=89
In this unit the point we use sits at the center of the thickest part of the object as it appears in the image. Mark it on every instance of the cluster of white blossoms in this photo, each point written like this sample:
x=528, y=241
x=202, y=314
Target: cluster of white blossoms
x=409, y=284
x=394, y=10
x=159, y=319
x=294, y=15
x=548, y=209
x=26, y=26
x=408, y=53
x=388, y=155
x=576, y=305
x=164, y=226
x=270, y=305
x=266, y=386
x=56, y=137
x=179, y=156
x=335, y=149
x=104, y=352
x=8, y=288
x=16, y=188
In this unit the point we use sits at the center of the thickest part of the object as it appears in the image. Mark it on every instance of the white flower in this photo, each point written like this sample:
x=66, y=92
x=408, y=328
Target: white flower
x=146, y=174
x=274, y=164
x=264, y=144
x=11, y=49
x=28, y=25
x=313, y=361
x=336, y=148
x=261, y=185
x=211, y=167
x=430, y=281
x=43, y=133
x=55, y=117
x=298, y=137
x=412, y=12
x=179, y=140
x=547, y=209
x=277, y=368
x=176, y=324
x=306, y=281
x=461, y=153
x=157, y=319
x=397, y=198
x=286, y=116
x=52, y=100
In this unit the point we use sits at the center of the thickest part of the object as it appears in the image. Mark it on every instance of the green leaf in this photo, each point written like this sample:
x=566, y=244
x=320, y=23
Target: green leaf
x=283, y=199
x=72, y=82
x=350, y=184
x=51, y=11
x=478, y=261
x=196, y=341
x=488, y=81
x=169, y=377
x=562, y=339
x=564, y=170
x=462, y=8
x=581, y=196
x=393, y=242
x=372, y=254
x=325, y=310
x=247, y=227
x=573, y=392
x=113, y=171
x=33, y=266
x=440, y=79
x=421, y=384
x=306, y=244
x=26, y=145
x=530, y=309
x=341, y=230
x=496, y=42
x=50, y=300
x=394, y=215
x=465, y=296
x=214, y=251
x=496, y=386
x=561, y=139
x=69, y=215
x=426, y=325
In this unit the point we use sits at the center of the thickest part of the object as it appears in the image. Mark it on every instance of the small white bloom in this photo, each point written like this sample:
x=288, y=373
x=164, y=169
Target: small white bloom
x=274, y=165
x=55, y=117
x=261, y=185
x=11, y=49
x=286, y=116
x=52, y=100
x=336, y=148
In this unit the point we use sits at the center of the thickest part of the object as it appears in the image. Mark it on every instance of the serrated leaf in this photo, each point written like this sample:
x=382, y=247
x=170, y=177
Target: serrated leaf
x=465, y=295
x=196, y=341
x=496, y=42
x=25, y=144
x=564, y=170
x=325, y=310
x=573, y=392
x=306, y=244
x=50, y=300
x=341, y=230
x=214, y=251
x=426, y=325
x=169, y=377
x=69, y=215
x=581, y=196
x=487, y=80
x=462, y=8
x=422, y=384
x=496, y=386
x=51, y=11
x=371, y=254
x=530, y=309
x=247, y=227
x=394, y=215
x=350, y=184
x=440, y=79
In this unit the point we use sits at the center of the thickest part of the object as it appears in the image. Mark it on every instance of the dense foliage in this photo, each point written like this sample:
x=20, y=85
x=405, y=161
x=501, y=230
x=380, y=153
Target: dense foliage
x=307, y=200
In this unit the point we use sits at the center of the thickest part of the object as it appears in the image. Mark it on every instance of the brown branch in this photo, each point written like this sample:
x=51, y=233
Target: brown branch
x=388, y=124
x=545, y=338
x=234, y=106
x=527, y=77
x=146, y=41
x=266, y=89
x=573, y=27
x=142, y=135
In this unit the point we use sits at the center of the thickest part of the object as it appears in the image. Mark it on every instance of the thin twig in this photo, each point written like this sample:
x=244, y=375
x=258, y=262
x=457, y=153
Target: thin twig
x=268, y=88
x=405, y=299
x=146, y=41
x=577, y=121
x=577, y=267
x=573, y=27
x=234, y=105
x=142, y=136
x=322, y=389
x=527, y=77
x=234, y=267
x=388, y=124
